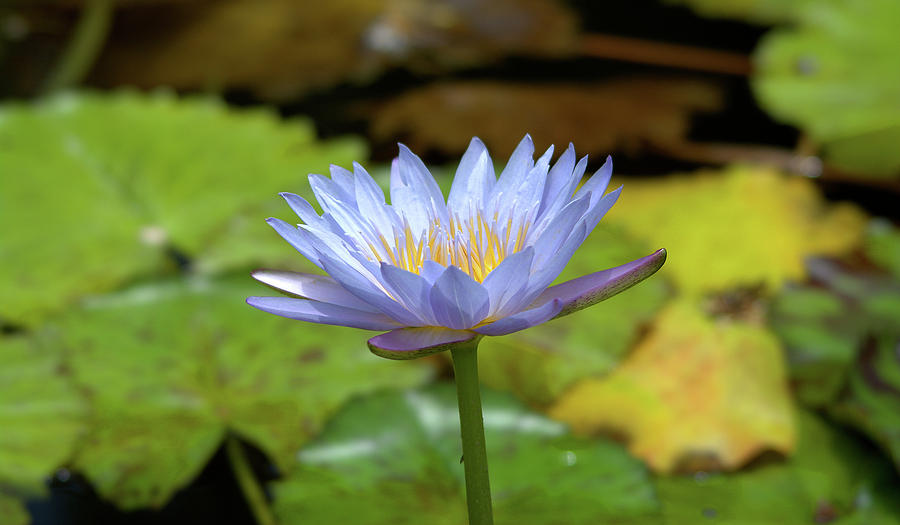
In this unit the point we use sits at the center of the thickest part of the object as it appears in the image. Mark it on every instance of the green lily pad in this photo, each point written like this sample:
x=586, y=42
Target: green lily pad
x=883, y=246
x=873, y=401
x=843, y=344
x=171, y=367
x=41, y=415
x=820, y=340
x=99, y=189
x=394, y=458
x=538, y=364
x=756, y=11
x=835, y=75
x=13, y=511
x=832, y=478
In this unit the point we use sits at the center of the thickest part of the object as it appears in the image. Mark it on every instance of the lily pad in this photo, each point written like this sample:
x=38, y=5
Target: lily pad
x=756, y=11
x=598, y=118
x=883, y=246
x=696, y=393
x=872, y=402
x=171, y=367
x=283, y=49
x=13, y=511
x=540, y=363
x=778, y=220
x=812, y=76
x=100, y=189
x=843, y=344
x=821, y=337
x=41, y=415
x=394, y=458
x=832, y=478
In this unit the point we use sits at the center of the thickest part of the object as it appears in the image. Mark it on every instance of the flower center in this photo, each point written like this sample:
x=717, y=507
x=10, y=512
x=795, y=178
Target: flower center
x=474, y=245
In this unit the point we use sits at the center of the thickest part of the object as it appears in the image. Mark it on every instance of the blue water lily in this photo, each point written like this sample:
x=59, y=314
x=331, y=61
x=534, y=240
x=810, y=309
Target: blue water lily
x=436, y=273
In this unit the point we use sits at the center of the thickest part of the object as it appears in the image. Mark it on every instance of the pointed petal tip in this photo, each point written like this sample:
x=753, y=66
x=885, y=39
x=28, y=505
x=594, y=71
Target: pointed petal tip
x=253, y=301
x=404, y=149
x=413, y=343
x=590, y=289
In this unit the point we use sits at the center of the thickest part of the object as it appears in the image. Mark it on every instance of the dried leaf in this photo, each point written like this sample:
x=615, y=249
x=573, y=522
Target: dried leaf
x=596, y=118
x=279, y=49
x=696, y=393
x=741, y=227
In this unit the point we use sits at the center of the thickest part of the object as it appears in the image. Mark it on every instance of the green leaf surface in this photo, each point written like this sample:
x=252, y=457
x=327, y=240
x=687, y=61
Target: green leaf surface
x=99, y=189
x=171, y=367
x=883, y=246
x=756, y=11
x=538, y=364
x=41, y=415
x=843, y=344
x=13, y=511
x=394, y=458
x=820, y=340
x=873, y=401
x=835, y=75
x=832, y=478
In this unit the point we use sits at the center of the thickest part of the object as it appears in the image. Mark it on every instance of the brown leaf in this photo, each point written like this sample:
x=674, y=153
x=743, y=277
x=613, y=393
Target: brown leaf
x=597, y=118
x=278, y=49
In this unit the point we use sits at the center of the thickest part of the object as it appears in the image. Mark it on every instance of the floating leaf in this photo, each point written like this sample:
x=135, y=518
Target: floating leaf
x=279, y=49
x=842, y=337
x=820, y=340
x=395, y=459
x=756, y=11
x=538, y=364
x=883, y=246
x=41, y=415
x=872, y=403
x=596, y=118
x=742, y=227
x=98, y=188
x=835, y=75
x=170, y=367
x=832, y=478
x=13, y=511
x=695, y=393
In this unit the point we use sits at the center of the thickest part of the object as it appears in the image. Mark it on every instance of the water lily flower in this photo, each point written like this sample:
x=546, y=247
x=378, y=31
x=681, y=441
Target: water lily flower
x=434, y=274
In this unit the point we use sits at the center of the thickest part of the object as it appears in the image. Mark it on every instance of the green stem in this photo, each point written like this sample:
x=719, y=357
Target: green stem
x=253, y=492
x=84, y=46
x=471, y=423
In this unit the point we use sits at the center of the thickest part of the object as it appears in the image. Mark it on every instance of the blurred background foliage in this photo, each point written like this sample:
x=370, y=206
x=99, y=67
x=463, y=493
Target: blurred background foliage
x=755, y=379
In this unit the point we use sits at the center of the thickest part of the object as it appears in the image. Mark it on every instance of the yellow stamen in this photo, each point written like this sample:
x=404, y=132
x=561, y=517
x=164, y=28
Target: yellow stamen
x=474, y=245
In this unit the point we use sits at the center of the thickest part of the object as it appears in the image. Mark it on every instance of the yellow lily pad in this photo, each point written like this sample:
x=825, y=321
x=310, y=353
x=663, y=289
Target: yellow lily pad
x=696, y=393
x=741, y=227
